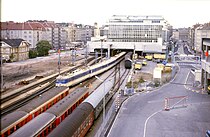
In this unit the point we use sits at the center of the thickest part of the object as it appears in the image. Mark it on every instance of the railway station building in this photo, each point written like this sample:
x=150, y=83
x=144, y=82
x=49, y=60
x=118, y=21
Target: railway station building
x=145, y=34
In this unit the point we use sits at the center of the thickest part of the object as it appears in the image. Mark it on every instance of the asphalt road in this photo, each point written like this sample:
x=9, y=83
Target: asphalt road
x=143, y=114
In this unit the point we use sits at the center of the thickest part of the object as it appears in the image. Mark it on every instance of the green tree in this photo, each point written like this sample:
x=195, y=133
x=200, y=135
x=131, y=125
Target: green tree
x=12, y=56
x=32, y=54
x=43, y=47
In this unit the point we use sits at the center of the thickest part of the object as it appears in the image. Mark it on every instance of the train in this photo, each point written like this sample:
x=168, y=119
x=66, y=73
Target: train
x=47, y=122
x=18, y=118
x=78, y=76
x=43, y=124
x=79, y=122
x=128, y=60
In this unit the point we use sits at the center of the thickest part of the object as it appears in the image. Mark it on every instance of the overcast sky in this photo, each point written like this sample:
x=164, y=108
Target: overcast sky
x=179, y=13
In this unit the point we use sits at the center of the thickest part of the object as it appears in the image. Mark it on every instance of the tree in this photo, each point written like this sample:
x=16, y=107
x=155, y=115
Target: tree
x=32, y=53
x=11, y=57
x=43, y=47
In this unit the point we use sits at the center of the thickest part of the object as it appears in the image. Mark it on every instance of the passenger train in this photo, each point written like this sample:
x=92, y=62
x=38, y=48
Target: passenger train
x=18, y=118
x=43, y=124
x=128, y=60
x=78, y=76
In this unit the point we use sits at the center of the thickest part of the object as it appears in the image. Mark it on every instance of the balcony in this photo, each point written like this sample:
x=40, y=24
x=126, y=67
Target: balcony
x=205, y=65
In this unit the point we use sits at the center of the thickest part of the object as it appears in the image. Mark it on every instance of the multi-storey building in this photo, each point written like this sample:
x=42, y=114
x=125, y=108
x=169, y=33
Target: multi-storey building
x=83, y=33
x=201, y=32
x=192, y=36
x=32, y=32
x=205, y=70
x=175, y=34
x=104, y=31
x=184, y=34
x=124, y=28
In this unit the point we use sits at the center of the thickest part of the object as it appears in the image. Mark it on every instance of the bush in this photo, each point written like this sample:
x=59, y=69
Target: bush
x=141, y=80
x=32, y=54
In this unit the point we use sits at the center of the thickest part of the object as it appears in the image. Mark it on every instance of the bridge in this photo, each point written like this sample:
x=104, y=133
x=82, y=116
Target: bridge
x=186, y=60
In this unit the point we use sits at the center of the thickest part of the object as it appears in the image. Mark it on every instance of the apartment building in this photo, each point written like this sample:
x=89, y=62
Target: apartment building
x=201, y=32
x=30, y=32
x=175, y=34
x=35, y=30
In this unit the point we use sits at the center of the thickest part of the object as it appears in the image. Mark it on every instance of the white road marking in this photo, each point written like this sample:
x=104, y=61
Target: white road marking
x=145, y=124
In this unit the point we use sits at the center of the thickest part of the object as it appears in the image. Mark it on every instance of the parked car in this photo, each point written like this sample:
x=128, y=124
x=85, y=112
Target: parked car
x=208, y=133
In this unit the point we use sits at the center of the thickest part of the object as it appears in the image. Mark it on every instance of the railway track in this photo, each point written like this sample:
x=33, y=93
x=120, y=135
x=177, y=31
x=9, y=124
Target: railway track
x=14, y=103
x=12, y=100
x=21, y=96
x=111, y=73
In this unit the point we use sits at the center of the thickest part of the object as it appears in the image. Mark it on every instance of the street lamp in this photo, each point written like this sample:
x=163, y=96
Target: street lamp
x=59, y=60
x=104, y=101
x=101, y=48
x=1, y=74
x=103, y=98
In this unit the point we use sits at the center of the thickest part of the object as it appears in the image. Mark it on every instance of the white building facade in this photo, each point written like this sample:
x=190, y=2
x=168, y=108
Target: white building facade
x=124, y=28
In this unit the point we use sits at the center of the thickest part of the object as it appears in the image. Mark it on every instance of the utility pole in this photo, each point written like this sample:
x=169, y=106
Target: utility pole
x=59, y=60
x=1, y=73
x=86, y=55
x=101, y=48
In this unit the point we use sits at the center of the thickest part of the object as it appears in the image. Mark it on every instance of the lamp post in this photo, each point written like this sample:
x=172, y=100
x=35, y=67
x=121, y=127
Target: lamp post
x=86, y=55
x=101, y=48
x=59, y=60
x=103, y=98
x=1, y=74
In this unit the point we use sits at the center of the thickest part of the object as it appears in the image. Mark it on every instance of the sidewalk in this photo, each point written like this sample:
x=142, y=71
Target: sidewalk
x=191, y=86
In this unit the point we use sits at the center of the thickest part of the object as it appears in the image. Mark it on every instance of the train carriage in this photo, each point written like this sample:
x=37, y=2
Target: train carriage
x=72, y=127
x=60, y=111
x=35, y=127
x=14, y=120
x=128, y=60
x=66, y=106
x=45, y=101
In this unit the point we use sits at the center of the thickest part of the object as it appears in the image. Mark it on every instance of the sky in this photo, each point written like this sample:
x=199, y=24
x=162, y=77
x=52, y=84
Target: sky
x=179, y=13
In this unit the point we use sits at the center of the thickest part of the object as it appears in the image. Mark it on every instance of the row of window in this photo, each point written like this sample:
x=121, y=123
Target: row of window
x=133, y=21
x=64, y=81
x=88, y=122
x=136, y=27
x=135, y=35
x=50, y=127
x=132, y=40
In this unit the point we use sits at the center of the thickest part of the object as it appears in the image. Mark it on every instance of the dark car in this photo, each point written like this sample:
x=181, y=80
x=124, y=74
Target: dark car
x=208, y=133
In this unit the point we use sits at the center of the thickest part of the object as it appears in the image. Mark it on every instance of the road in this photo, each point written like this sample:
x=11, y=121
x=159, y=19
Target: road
x=143, y=114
